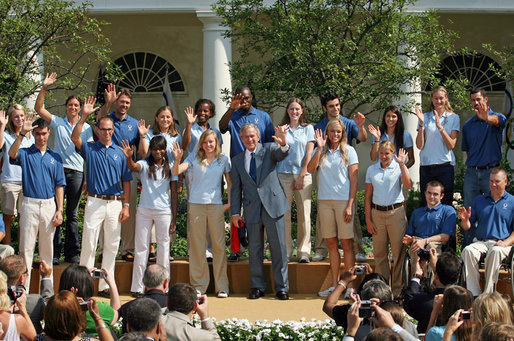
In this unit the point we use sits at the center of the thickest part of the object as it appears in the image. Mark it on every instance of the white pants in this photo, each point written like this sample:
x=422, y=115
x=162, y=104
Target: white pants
x=471, y=255
x=145, y=219
x=101, y=214
x=36, y=221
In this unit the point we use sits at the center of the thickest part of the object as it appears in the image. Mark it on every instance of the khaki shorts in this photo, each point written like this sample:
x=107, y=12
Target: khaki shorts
x=11, y=195
x=331, y=217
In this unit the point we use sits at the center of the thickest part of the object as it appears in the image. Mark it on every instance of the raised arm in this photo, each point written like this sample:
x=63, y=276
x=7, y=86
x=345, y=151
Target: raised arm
x=27, y=127
x=178, y=168
x=142, y=128
x=128, y=151
x=375, y=132
x=3, y=125
x=420, y=137
x=483, y=113
x=39, y=107
x=110, y=97
x=191, y=118
x=360, y=119
x=87, y=110
x=400, y=158
x=320, y=141
x=234, y=105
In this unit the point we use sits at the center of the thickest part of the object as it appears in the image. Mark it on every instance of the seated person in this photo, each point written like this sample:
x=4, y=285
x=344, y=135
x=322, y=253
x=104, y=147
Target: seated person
x=182, y=305
x=430, y=226
x=419, y=304
x=493, y=214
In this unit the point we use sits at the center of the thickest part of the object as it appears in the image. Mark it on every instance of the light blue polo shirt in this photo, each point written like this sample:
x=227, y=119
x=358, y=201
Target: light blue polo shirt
x=435, y=151
x=297, y=141
x=196, y=132
x=495, y=220
x=125, y=129
x=387, y=183
x=333, y=177
x=41, y=172
x=10, y=172
x=155, y=193
x=63, y=144
x=407, y=139
x=169, y=142
x=427, y=222
x=106, y=168
x=206, y=179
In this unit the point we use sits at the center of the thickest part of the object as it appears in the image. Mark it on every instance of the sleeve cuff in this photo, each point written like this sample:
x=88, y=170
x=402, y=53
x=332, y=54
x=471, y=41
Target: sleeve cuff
x=397, y=328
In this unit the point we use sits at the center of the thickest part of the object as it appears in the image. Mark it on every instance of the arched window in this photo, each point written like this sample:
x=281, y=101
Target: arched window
x=476, y=68
x=145, y=72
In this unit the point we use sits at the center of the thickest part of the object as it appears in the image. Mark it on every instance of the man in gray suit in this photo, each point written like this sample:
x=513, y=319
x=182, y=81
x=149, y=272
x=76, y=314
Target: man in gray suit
x=16, y=270
x=256, y=186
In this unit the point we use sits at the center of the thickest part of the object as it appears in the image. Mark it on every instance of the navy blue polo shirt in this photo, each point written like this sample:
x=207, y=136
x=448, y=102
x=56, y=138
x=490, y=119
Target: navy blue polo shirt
x=482, y=141
x=495, y=220
x=352, y=131
x=427, y=222
x=125, y=129
x=40, y=173
x=106, y=168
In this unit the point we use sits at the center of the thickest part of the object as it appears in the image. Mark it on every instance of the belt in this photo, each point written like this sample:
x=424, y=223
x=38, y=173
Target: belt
x=69, y=170
x=439, y=165
x=106, y=197
x=486, y=167
x=386, y=208
x=487, y=239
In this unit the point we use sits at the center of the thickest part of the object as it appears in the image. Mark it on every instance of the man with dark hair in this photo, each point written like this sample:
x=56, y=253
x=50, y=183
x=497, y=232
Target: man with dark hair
x=432, y=226
x=481, y=140
x=16, y=271
x=354, y=130
x=493, y=214
x=43, y=192
x=419, y=304
x=108, y=186
x=183, y=302
x=156, y=282
x=144, y=315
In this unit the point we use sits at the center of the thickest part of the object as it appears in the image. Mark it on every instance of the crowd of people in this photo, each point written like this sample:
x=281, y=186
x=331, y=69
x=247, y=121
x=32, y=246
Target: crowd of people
x=268, y=168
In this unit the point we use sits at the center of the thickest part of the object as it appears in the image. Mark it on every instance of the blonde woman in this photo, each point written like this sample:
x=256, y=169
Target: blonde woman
x=206, y=210
x=14, y=325
x=337, y=188
x=11, y=192
x=385, y=212
x=436, y=139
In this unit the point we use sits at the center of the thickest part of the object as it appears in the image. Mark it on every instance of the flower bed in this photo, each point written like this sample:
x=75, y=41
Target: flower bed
x=235, y=329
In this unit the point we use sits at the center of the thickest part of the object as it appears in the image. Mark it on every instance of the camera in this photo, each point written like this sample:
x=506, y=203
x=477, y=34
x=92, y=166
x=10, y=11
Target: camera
x=83, y=305
x=365, y=311
x=360, y=270
x=424, y=254
x=98, y=274
x=465, y=315
x=14, y=292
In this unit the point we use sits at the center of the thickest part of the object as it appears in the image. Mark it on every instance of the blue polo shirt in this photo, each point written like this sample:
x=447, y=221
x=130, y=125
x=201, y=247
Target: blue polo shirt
x=352, y=131
x=435, y=152
x=106, y=168
x=482, y=141
x=495, y=220
x=333, y=177
x=196, y=132
x=297, y=141
x=125, y=129
x=41, y=173
x=258, y=117
x=63, y=144
x=427, y=222
x=387, y=183
x=206, y=179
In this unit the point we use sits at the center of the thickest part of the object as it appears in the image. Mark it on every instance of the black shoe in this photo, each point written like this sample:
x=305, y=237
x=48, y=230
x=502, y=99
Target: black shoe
x=137, y=294
x=282, y=295
x=209, y=259
x=128, y=257
x=152, y=257
x=234, y=257
x=56, y=261
x=104, y=293
x=73, y=260
x=255, y=294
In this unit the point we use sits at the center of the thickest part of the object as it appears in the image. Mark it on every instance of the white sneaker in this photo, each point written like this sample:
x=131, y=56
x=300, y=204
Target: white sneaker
x=361, y=257
x=317, y=257
x=222, y=294
x=326, y=292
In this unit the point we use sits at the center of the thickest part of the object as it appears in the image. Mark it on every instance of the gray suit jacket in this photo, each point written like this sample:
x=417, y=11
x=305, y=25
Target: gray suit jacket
x=36, y=303
x=179, y=327
x=267, y=190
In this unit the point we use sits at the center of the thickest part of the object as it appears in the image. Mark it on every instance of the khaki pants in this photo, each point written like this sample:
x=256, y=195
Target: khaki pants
x=303, y=200
x=471, y=255
x=128, y=228
x=36, y=222
x=203, y=217
x=391, y=226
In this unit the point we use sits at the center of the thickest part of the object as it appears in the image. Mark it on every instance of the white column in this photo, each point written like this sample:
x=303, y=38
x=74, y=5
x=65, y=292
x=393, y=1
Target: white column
x=217, y=54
